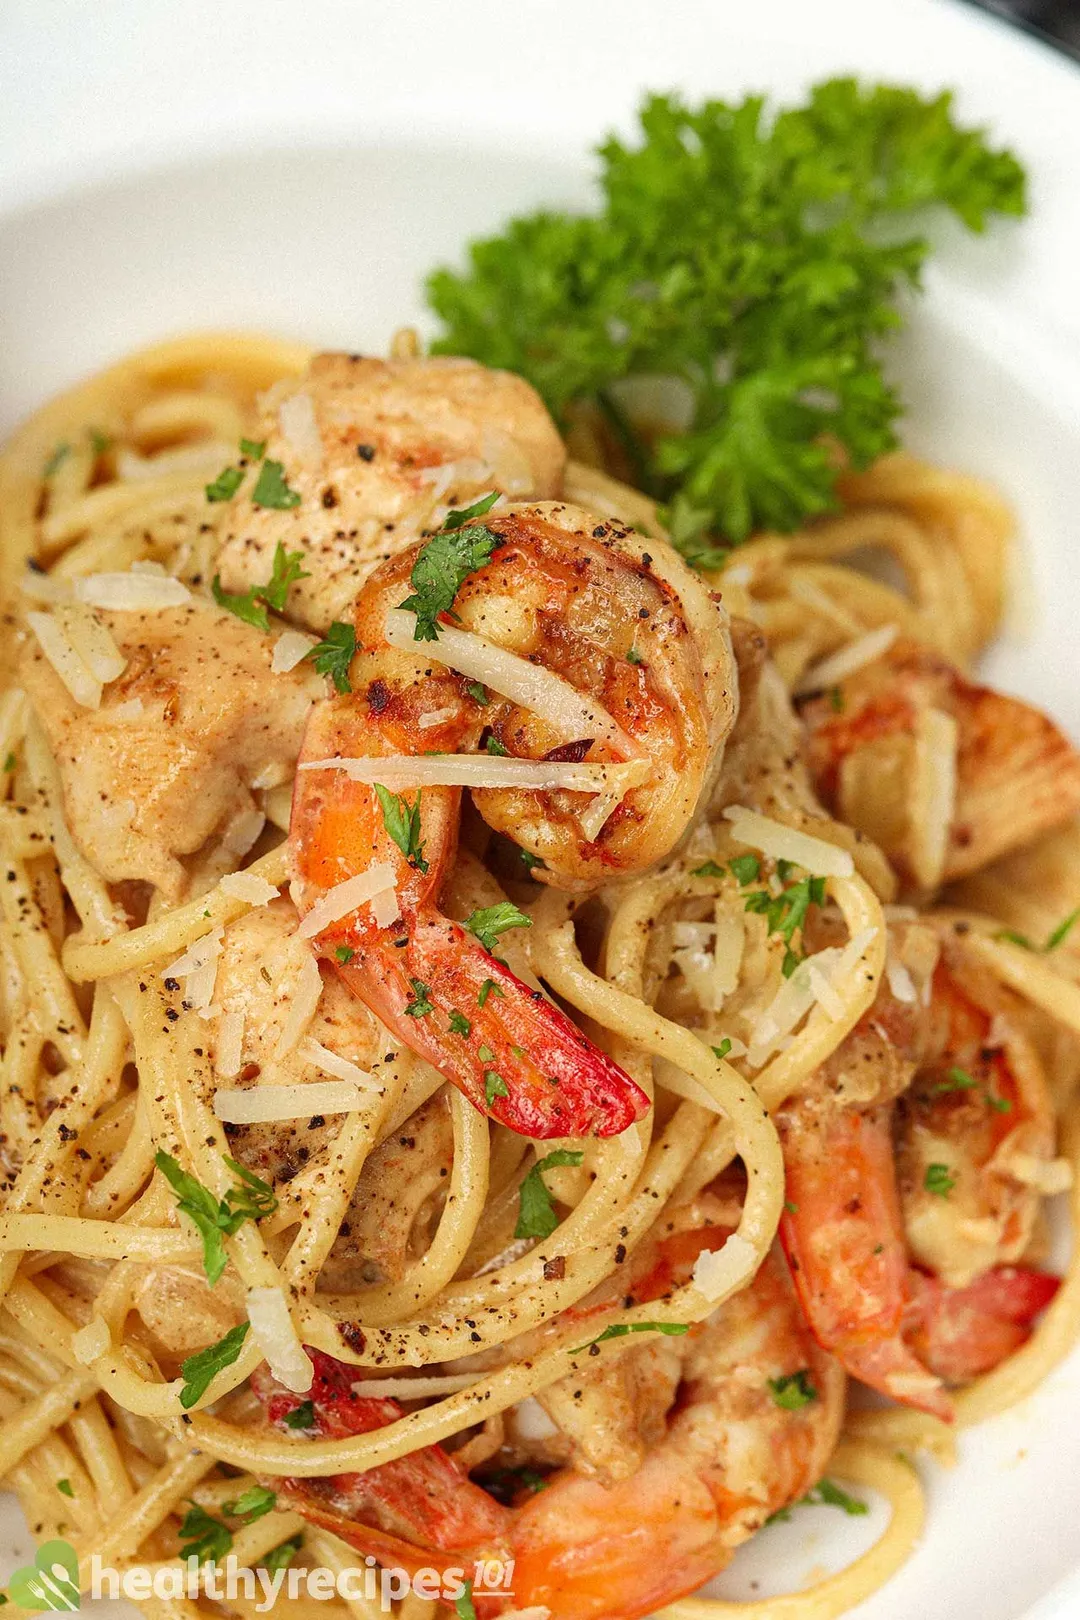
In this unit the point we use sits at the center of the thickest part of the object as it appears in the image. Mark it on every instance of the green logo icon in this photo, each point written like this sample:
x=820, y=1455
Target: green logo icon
x=51, y=1581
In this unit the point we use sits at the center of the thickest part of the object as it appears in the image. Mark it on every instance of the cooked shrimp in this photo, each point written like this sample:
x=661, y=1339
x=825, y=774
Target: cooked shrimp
x=733, y=1451
x=886, y=746
x=377, y=450
x=575, y=597
x=851, y=1241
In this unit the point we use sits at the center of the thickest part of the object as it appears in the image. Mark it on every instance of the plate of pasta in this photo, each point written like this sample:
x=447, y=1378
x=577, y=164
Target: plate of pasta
x=540, y=920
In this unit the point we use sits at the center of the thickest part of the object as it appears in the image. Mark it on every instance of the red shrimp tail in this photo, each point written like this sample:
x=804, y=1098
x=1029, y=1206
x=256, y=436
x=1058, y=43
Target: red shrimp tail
x=961, y=1333
x=408, y=1508
x=843, y=1239
x=516, y=1056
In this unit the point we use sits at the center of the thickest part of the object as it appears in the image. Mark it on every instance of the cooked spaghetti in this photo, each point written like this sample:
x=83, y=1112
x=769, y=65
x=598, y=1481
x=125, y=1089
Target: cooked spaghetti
x=739, y=917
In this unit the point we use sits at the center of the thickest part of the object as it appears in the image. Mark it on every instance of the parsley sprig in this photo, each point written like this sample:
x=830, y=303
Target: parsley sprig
x=251, y=605
x=217, y=1218
x=443, y=565
x=758, y=256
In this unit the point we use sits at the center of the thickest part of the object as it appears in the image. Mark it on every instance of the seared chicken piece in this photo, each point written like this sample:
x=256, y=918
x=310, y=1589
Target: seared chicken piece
x=259, y=975
x=378, y=451
x=170, y=757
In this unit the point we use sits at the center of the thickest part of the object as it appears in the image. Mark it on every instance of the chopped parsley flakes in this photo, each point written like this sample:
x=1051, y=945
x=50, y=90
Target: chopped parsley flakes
x=491, y=921
x=494, y=1086
x=334, y=654
x=536, y=1215
x=251, y=605
x=939, y=1180
x=199, y=1370
x=619, y=1330
x=1055, y=938
x=793, y=1391
x=421, y=1004
x=217, y=1218
x=271, y=489
x=402, y=822
x=443, y=565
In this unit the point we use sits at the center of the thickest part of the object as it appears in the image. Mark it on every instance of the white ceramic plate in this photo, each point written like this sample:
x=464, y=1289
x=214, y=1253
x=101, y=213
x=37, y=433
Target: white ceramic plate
x=298, y=166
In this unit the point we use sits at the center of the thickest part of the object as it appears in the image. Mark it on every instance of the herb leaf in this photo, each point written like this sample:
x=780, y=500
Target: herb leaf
x=459, y=1024
x=271, y=489
x=251, y=1505
x=301, y=1417
x=939, y=1180
x=334, y=654
x=778, y=343
x=536, y=1215
x=249, y=605
x=285, y=572
x=281, y=1556
x=217, y=1218
x=402, y=822
x=491, y=921
x=226, y=484
x=443, y=565
x=619, y=1330
x=421, y=1004
x=199, y=1370
x=494, y=1086
x=486, y=989
x=793, y=1391
x=463, y=1603
x=204, y=1537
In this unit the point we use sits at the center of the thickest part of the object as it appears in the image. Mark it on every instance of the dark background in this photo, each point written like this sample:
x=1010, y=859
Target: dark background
x=1055, y=20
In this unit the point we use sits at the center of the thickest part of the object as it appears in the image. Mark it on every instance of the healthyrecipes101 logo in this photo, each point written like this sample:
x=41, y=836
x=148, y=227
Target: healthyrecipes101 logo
x=52, y=1582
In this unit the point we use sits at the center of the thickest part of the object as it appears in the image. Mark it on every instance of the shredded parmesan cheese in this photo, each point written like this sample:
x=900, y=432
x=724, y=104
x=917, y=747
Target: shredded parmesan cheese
x=273, y=1331
x=130, y=592
x=531, y=685
x=307, y=989
x=290, y=649
x=261, y=1105
x=1047, y=1176
x=402, y=771
x=248, y=886
x=345, y=897
x=55, y=643
x=92, y=641
x=817, y=980
x=228, y=1053
x=718, y=1271
x=933, y=795
x=435, y=717
x=899, y=980
x=839, y=665
x=242, y=832
x=198, y=954
x=312, y=1051
x=299, y=429
x=130, y=709
x=91, y=1341
x=783, y=843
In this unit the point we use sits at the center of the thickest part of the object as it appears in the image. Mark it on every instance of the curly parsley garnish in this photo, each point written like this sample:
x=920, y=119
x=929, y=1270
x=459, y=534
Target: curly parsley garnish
x=444, y=564
x=758, y=256
x=939, y=1180
x=421, y=1003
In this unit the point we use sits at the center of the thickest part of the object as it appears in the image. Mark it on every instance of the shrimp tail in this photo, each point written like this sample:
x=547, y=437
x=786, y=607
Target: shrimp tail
x=515, y=1055
x=961, y=1333
x=843, y=1238
x=399, y=1512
